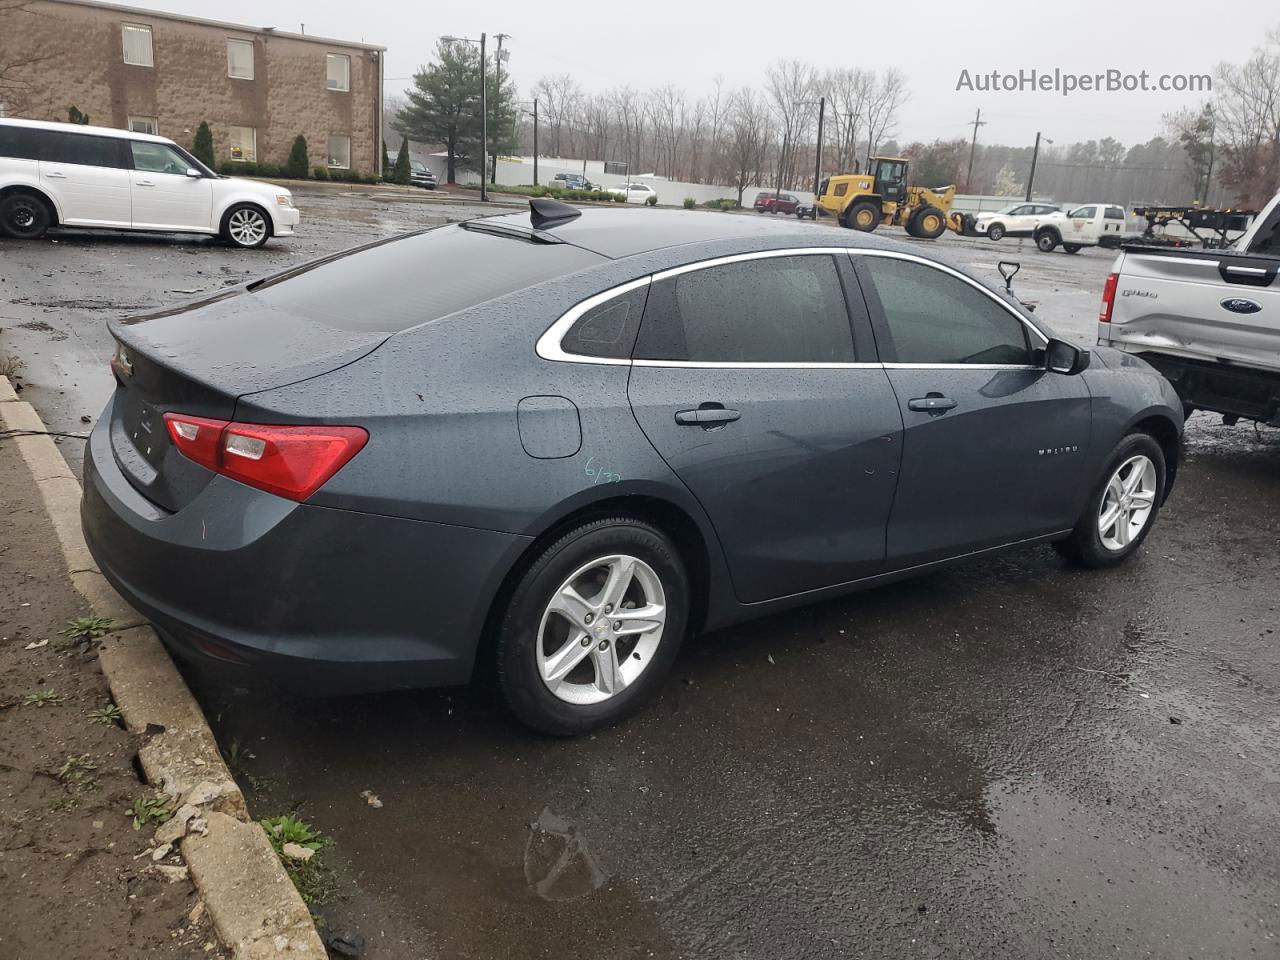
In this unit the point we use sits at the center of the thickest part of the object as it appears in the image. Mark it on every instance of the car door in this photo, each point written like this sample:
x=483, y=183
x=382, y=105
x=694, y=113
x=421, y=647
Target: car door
x=746, y=380
x=994, y=444
x=1021, y=219
x=164, y=197
x=86, y=176
x=1080, y=225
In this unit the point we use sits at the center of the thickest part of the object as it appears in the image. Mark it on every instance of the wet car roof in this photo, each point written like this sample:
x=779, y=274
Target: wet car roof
x=623, y=233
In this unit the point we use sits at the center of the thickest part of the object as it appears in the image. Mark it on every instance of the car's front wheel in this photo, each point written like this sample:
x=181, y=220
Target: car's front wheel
x=246, y=225
x=995, y=231
x=1123, y=506
x=593, y=626
x=1047, y=241
x=24, y=216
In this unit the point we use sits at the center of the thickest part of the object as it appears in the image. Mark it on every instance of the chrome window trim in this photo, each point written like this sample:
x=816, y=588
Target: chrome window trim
x=548, y=346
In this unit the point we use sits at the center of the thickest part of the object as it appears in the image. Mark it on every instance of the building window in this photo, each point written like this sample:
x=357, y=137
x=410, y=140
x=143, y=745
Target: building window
x=144, y=125
x=137, y=44
x=338, y=75
x=242, y=144
x=339, y=152
x=240, y=59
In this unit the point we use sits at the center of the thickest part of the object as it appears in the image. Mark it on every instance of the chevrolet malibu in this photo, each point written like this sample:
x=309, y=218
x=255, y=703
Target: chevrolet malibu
x=554, y=445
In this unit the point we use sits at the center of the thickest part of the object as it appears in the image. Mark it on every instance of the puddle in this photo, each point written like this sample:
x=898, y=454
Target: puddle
x=557, y=864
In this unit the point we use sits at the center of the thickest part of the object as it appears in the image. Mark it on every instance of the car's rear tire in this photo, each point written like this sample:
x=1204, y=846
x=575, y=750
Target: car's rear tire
x=24, y=215
x=246, y=225
x=995, y=231
x=1123, y=506
x=1047, y=240
x=863, y=216
x=574, y=652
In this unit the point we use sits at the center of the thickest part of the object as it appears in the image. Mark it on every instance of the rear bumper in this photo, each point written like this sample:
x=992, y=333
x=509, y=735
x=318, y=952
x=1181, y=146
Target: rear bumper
x=1229, y=389
x=318, y=599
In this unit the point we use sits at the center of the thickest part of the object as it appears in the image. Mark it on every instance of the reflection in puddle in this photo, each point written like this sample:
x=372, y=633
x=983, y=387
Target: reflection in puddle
x=557, y=863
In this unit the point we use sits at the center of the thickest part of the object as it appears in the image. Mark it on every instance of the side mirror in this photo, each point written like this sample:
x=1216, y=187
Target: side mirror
x=1065, y=358
x=194, y=173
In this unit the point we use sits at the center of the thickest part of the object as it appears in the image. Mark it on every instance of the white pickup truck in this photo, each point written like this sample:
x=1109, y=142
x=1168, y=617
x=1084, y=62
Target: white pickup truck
x=1091, y=225
x=1209, y=320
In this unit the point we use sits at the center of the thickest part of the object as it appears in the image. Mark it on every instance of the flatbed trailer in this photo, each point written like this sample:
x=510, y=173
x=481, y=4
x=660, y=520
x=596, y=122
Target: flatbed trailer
x=1211, y=229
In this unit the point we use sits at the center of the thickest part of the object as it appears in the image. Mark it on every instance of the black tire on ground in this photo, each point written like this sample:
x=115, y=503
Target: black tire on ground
x=24, y=216
x=1071, y=247
x=1084, y=547
x=863, y=216
x=1047, y=240
x=995, y=231
x=930, y=223
x=519, y=678
x=246, y=225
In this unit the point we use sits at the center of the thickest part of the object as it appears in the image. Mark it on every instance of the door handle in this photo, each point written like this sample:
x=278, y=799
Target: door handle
x=145, y=183
x=935, y=403
x=56, y=175
x=706, y=416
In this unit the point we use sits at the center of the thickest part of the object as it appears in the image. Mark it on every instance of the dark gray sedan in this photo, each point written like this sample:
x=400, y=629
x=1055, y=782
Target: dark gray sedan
x=556, y=444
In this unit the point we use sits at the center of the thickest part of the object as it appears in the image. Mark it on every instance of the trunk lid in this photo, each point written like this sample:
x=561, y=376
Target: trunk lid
x=200, y=359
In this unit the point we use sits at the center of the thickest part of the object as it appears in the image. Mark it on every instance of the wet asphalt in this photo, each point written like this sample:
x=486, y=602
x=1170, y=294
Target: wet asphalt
x=1011, y=758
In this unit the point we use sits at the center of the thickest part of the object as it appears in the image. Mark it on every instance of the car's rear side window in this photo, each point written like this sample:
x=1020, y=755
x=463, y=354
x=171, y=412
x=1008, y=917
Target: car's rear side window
x=19, y=143
x=608, y=329
x=81, y=149
x=771, y=310
x=410, y=280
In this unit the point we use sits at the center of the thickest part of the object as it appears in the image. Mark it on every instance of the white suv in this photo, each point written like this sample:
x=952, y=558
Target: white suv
x=55, y=174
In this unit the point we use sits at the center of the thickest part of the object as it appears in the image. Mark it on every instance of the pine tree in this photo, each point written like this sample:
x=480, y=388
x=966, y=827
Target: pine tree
x=75, y=116
x=386, y=162
x=401, y=172
x=202, y=145
x=297, y=164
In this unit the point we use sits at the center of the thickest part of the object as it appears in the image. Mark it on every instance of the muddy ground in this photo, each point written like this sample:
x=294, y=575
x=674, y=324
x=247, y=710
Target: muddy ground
x=1007, y=759
x=75, y=881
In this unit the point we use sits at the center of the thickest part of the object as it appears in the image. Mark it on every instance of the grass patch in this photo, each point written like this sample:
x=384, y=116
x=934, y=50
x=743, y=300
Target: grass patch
x=107, y=716
x=78, y=771
x=313, y=878
x=155, y=809
x=42, y=698
x=86, y=628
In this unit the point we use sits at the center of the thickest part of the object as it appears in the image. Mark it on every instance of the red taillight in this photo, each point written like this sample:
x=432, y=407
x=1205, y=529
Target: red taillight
x=289, y=461
x=1108, y=297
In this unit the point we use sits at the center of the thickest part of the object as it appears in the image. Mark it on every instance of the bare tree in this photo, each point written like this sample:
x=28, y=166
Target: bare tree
x=668, y=113
x=885, y=100
x=790, y=85
x=849, y=91
x=20, y=61
x=1248, y=122
x=748, y=139
x=559, y=97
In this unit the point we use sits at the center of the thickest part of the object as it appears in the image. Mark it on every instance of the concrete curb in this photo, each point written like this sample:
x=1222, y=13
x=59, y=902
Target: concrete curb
x=256, y=910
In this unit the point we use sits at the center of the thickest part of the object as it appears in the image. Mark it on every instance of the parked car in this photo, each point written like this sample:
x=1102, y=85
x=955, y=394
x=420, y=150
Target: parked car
x=1092, y=225
x=635, y=192
x=420, y=175
x=623, y=433
x=1014, y=220
x=59, y=174
x=1209, y=320
x=571, y=181
x=776, y=203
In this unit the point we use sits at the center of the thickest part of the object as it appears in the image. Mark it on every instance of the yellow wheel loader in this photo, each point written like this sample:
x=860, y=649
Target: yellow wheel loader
x=881, y=196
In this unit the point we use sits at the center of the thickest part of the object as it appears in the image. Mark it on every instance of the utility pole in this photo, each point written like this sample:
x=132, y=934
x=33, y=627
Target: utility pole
x=484, y=124
x=977, y=122
x=1035, y=154
x=535, y=141
x=497, y=102
x=1208, y=177
x=817, y=163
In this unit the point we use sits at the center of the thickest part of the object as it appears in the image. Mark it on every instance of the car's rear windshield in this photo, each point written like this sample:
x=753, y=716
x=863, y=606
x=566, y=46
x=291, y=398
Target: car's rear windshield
x=417, y=278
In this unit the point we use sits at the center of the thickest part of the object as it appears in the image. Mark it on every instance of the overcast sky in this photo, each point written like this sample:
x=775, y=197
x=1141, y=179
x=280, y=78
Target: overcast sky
x=688, y=43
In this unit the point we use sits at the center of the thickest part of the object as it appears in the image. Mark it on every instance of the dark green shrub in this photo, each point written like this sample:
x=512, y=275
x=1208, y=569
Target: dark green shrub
x=619, y=197
x=320, y=173
x=651, y=201
x=386, y=163
x=689, y=202
x=75, y=116
x=400, y=174
x=297, y=164
x=202, y=144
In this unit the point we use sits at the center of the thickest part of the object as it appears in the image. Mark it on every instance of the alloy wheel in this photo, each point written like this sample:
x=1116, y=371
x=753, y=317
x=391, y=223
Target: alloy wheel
x=601, y=629
x=247, y=227
x=1127, y=503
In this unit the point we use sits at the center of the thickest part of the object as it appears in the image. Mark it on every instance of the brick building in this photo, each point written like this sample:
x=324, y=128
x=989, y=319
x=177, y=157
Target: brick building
x=257, y=87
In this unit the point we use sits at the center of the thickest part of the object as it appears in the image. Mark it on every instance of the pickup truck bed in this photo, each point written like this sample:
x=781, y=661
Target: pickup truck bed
x=1209, y=320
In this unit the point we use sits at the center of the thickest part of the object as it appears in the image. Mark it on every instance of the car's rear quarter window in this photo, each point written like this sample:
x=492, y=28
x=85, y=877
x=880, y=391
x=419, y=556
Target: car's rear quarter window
x=418, y=278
